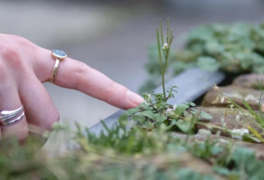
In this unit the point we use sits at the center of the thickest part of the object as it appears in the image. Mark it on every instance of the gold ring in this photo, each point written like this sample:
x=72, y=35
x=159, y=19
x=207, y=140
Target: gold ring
x=59, y=56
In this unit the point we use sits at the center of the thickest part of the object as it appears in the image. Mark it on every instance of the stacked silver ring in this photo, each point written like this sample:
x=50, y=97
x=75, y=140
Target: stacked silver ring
x=10, y=117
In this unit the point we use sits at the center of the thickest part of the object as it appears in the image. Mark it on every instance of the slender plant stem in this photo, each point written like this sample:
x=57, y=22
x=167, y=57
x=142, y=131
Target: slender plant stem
x=168, y=52
x=163, y=86
x=168, y=29
x=161, y=65
x=166, y=61
x=161, y=32
x=162, y=39
x=158, y=43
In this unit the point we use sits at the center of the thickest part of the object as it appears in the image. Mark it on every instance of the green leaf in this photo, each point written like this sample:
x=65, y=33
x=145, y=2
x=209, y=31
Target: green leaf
x=208, y=63
x=216, y=150
x=213, y=47
x=160, y=118
x=190, y=103
x=132, y=111
x=205, y=116
x=222, y=170
x=138, y=118
x=253, y=113
x=123, y=119
x=249, y=138
x=185, y=126
x=255, y=133
x=148, y=114
x=187, y=115
x=189, y=174
x=173, y=122
x=180, y=109
x=164, y=127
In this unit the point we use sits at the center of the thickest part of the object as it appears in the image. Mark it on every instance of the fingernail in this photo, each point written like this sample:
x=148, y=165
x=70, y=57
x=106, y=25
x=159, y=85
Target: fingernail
x=134, y=98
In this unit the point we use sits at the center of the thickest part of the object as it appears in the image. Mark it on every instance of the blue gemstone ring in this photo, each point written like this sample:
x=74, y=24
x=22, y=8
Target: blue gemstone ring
x=59, y=55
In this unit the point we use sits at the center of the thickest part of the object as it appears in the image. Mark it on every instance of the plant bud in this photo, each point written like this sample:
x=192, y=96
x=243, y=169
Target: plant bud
x=165, y=46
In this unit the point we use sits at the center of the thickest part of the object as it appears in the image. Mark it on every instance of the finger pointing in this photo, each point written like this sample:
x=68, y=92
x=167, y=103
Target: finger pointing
x=77, y=75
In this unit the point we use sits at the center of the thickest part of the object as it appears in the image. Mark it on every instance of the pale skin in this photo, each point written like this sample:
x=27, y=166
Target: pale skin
x=24, y=66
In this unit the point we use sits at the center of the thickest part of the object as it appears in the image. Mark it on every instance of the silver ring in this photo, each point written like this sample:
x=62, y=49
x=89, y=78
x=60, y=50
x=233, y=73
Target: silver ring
x=10, y=117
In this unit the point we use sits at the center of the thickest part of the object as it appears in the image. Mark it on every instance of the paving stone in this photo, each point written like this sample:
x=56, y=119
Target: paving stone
x=228, y=118
x=254, y=81
x=218, y=97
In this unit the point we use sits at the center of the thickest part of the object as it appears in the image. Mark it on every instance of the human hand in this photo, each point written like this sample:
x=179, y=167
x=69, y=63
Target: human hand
x=24, y=67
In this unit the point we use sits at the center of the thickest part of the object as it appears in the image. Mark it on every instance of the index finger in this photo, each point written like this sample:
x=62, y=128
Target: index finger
x=77, y=75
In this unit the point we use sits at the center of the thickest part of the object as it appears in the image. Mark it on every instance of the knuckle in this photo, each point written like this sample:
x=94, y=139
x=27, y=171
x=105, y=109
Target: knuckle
x=10, y=50
x=23, y=133
x=10, y=56
x=15, y=39
x=19, y=39
x=81, y=68
x=26, y=44
x=3, y=74
x=80, y=71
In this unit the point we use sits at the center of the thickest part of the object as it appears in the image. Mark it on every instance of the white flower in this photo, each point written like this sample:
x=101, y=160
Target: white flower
x=238, y=133
x=165, y=46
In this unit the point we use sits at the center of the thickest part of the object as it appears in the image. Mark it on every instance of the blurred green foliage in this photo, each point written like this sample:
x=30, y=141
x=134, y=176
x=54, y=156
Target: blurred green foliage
x=118, y=153
x=156, y=113
x=234, y=49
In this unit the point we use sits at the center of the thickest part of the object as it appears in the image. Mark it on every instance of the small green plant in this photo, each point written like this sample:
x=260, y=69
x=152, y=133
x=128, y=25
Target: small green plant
x=258, y=117
x=156, y=113
x=165, y=48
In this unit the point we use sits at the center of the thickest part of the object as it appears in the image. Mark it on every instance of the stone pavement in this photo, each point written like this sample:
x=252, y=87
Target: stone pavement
x=113, y=40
